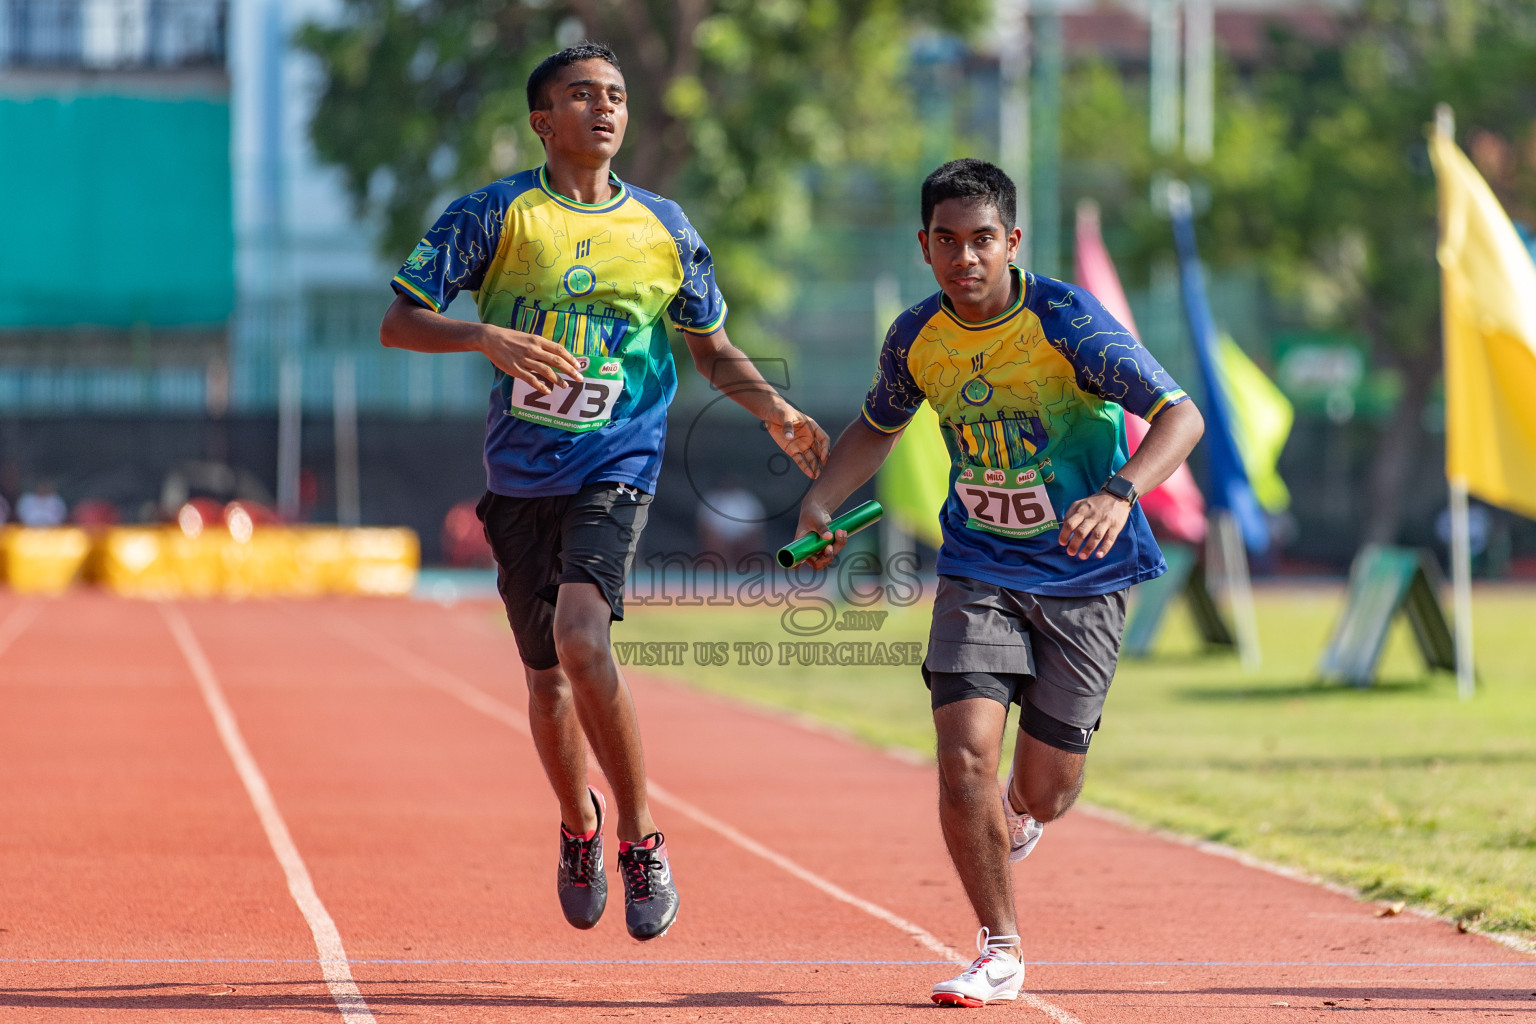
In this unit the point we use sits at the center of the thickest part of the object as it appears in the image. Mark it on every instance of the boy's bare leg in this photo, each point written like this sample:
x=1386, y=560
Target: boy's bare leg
x=1046, y=780
x=562, y=749
x=970, y=734
x=603, y=707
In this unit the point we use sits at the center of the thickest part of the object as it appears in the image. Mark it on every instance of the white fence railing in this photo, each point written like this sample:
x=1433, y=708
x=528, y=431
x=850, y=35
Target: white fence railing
x=108, y=35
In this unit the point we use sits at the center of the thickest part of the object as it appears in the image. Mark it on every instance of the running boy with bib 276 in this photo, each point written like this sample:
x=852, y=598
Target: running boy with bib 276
x=1030, y=378
x=576, y=275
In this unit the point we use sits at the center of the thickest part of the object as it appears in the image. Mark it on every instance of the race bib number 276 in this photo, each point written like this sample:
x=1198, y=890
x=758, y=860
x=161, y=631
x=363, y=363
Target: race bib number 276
x=1010, y=503
x=584, y=403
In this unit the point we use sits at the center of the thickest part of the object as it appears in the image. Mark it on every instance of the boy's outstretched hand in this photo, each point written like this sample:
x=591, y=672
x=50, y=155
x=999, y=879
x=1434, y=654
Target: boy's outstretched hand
x=800, y=436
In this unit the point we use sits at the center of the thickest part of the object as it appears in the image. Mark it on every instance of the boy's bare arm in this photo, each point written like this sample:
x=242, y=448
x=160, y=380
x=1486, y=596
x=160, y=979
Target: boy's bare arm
x=729, y=369
x=536, y=361
x=1093, y=523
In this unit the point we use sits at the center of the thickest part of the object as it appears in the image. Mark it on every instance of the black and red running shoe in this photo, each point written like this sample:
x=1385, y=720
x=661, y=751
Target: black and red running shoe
x=582, y=885
x=650, y=899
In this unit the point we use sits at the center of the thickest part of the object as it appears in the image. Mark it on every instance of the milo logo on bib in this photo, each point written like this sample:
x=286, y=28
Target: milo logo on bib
x=1007, y=502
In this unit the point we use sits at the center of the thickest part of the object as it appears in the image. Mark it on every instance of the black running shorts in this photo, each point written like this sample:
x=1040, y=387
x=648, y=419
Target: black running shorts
x=540, y=543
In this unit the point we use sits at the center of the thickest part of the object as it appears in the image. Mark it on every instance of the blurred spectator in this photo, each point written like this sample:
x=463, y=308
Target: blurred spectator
x=41, y=506
x=309, y=494
x=94, y=512
x=730, y=522
x=260, y=515
x=200, y=514
x=208, y=480
x=5, y=510
x=464, y=543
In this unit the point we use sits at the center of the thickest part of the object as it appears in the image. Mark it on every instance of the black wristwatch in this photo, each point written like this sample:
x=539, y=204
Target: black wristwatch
x=1121, y=488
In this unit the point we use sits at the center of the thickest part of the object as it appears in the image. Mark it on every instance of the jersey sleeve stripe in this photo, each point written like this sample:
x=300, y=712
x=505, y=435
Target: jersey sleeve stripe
x=1172, y=398
x=711, y=328
x=417, y=294
x=864, y=411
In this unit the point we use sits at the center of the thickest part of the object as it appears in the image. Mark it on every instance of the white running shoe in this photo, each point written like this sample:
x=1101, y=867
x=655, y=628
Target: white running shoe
x=1023, y=831
x=994, y=976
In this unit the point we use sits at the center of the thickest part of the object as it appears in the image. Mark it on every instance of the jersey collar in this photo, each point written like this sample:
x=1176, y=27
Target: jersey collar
x=1003, y=317
x=572, y=205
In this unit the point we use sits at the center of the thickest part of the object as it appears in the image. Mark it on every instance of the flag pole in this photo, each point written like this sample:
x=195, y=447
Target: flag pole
x=1461, y=526
x=1461, y=587
x=1238, y=585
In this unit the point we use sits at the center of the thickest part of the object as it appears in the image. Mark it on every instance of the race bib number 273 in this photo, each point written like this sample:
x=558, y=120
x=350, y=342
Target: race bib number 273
x=585, y=403
x=1010, y=503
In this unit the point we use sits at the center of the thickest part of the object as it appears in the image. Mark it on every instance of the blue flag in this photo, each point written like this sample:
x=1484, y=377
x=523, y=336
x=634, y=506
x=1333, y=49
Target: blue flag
x=1229, y=487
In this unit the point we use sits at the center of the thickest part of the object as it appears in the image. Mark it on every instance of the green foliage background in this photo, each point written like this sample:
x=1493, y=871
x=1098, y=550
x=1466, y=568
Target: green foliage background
x=1321, y=177
x=731, y=100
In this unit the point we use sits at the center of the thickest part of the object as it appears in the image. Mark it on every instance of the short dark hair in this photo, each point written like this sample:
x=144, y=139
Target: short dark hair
x=550, y=66
x=974, y=181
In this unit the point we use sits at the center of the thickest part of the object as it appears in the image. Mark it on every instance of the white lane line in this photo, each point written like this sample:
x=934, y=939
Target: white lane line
x=16, y=623
x=916, y=932
x=493, y=707
x=333, y=958
x=1138, y=964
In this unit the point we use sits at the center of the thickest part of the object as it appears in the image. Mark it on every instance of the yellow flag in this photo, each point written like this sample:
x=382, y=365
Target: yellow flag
x=1488, y=295
x=1263, y=418
x=914, y=482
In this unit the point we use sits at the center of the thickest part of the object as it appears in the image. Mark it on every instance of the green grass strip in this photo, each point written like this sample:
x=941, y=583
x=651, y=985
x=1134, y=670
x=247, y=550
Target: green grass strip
x=1401, y=791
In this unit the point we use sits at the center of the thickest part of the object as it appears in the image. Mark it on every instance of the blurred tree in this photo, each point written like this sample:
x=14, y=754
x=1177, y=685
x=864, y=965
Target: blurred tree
x=729, y=99
x=1321, y=176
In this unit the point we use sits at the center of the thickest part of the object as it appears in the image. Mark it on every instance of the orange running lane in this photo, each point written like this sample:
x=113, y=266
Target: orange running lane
x=431, y=835
x=126, y=836
x=1119, y=925
x=389, y=735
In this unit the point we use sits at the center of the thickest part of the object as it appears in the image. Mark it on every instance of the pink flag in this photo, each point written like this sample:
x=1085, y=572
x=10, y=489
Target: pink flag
x=1176, y=509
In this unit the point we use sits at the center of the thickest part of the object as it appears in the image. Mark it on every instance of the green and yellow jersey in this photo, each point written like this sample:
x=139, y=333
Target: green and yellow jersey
x=603, y=280
x=1030, y=405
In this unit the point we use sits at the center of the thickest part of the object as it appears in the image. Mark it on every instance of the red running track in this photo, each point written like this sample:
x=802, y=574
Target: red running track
x=404, y=867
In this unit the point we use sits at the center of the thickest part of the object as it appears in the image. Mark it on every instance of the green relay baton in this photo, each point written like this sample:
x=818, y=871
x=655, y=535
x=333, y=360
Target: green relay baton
x=792, y=555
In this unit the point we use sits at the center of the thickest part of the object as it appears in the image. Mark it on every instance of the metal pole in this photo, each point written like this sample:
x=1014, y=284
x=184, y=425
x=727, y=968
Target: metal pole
x=1164, y=60
x=1461, y=526
x=282, y=311
x=1013, y=126
x=1199, y=79
x=1239, y=588
x=290, y=387
x=1045, y=143
x=349, y=510
x=1445, y=120
x=1461, y=587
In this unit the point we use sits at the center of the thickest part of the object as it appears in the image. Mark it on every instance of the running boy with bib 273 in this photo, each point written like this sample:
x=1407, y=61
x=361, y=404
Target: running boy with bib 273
x=1031, y=379
x=576, y=276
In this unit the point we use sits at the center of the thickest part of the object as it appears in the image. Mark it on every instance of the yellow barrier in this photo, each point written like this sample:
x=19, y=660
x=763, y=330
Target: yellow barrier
x=160, y=562
x=300, y=561
x=43, y=560
x=380, y=561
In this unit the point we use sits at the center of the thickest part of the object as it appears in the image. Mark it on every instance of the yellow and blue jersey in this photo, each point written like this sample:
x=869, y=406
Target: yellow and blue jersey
x=602, y=280
x=1030, y=404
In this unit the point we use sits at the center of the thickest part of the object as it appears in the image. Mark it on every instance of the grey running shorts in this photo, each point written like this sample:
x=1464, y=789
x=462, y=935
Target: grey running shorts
x=1065, y=647
x=540, y=543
